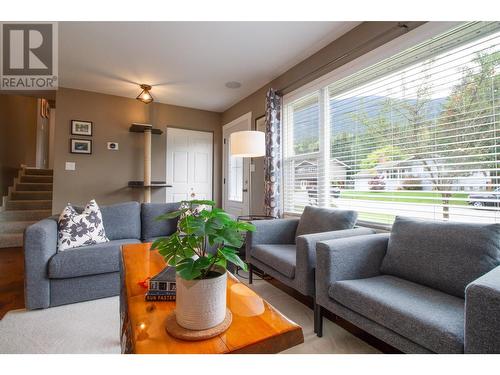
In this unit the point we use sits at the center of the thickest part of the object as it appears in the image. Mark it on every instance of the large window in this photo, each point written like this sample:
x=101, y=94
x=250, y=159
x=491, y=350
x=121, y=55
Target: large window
x=417, y=134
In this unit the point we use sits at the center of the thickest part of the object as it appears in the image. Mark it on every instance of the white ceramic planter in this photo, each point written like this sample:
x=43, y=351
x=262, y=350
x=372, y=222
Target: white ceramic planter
x=201, y=304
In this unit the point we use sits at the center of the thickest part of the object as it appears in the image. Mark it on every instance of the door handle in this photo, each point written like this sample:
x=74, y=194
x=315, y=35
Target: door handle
x=245, y=190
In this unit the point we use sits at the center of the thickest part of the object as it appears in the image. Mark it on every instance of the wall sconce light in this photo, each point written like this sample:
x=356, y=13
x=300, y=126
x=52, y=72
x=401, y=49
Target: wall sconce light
x=145, y=96
x=248, y=144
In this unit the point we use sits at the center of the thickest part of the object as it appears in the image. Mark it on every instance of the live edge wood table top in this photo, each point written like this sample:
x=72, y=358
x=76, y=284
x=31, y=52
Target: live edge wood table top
x=257, y=327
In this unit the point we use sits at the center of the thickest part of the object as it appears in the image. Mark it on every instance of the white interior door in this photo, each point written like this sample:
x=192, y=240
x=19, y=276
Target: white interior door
x=189, y=164
x=236, y=171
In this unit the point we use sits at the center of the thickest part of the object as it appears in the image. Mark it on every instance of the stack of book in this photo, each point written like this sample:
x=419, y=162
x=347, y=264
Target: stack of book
x=162, y=286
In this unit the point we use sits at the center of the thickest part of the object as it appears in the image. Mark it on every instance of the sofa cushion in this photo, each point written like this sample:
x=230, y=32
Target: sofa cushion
x=88, y=260
x=428, y=317
x=122, y=220
x=442, y=255
x=282, y=258
x=316, y=220
x=152, y=228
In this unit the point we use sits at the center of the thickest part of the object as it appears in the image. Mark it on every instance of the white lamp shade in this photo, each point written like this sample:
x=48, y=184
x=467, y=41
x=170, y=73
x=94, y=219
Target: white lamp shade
x=248, y=144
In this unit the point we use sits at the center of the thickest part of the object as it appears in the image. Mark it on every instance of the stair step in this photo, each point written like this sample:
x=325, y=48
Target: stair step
x=24, y=215
x=36, y=178
x=11, y=240
x=26, y=186
x=14, y=226
x=38, y=172
x=29, y=195
x=28, y=205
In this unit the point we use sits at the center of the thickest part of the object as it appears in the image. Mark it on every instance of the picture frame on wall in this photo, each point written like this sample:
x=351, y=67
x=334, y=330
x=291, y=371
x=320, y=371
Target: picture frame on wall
x=79, y=127
x=80, y=146
x=260, y=123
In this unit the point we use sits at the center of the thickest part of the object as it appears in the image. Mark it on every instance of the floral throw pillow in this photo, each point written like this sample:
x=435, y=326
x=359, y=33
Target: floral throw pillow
x=75, y=230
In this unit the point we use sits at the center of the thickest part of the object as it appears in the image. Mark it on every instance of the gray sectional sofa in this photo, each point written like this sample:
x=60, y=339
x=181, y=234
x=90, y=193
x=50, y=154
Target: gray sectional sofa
x=286, y=248
x=427, y=287
x=56, y=278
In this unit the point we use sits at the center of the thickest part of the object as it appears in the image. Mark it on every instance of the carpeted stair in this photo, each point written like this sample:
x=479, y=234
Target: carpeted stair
x=29, y=200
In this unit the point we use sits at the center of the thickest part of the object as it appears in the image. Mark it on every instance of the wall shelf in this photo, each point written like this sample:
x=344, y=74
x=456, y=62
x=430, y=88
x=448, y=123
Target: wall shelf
x=154, y=184
x=140, y=128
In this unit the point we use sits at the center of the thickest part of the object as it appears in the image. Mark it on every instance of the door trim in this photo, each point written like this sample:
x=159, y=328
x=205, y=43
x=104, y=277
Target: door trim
x=248, y=118
x=213, y=152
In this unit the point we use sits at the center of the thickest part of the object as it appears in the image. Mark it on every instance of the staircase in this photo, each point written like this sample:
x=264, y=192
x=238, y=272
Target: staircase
x=28, y=201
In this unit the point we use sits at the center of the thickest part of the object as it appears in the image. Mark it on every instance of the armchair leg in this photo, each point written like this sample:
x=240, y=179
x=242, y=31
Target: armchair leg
x=318, y=320
x=315, y=315
x=250, y=273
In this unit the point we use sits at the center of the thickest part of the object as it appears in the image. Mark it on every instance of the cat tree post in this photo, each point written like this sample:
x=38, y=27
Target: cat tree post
x=147, y=165
x=147, y=184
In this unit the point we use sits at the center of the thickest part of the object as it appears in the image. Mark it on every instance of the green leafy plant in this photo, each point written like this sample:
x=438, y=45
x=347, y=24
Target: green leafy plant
x=202, y=226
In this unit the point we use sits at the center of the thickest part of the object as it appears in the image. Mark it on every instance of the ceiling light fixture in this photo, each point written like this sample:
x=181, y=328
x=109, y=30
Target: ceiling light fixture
x=145, y=96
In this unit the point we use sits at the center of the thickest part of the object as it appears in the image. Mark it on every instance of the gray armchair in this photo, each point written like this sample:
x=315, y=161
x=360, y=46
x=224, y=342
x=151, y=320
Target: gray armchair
x=427, y=287
x=482, y=314
x=286, y=248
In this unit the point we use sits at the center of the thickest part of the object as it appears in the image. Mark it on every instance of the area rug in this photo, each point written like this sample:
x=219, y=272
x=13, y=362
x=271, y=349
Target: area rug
x=94, y=327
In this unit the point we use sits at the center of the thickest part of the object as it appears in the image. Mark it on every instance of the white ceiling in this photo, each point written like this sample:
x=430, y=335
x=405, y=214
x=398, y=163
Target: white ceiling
x=187, y=63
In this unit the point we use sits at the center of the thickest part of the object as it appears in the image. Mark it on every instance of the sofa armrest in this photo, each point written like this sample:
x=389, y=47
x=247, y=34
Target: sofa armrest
x=348, y=259
x=278, y=231
x=40, y=244
x=482, y=314
x=306, y=254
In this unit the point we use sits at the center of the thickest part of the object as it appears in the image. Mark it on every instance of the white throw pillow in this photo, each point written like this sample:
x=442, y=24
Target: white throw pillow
x=75, y=230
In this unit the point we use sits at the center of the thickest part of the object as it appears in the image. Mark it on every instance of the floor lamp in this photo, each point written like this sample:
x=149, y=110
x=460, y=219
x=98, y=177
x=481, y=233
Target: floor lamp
x=247, y=144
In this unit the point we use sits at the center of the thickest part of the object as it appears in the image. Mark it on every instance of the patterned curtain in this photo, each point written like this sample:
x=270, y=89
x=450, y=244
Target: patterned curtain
x=272, y=161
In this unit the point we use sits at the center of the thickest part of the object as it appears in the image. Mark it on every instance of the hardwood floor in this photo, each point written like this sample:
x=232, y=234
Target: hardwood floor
x=11, y=279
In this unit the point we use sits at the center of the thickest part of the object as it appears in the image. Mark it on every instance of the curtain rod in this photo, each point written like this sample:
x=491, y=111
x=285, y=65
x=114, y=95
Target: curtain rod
x=400, y=27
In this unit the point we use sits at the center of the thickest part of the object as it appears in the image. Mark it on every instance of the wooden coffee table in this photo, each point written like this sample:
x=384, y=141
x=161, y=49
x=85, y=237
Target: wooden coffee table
x=257, y=327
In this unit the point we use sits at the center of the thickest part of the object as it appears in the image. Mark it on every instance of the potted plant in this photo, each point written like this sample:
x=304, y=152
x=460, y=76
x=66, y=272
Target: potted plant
x=206, y=239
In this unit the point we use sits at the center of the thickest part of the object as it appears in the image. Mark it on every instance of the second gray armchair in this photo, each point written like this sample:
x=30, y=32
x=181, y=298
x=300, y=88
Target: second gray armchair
x=286, y=248
x=427, y=287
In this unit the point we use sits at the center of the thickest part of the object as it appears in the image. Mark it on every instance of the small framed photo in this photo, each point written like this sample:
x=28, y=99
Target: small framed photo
x=260, y=124
x=79, y=127
x=80, y=146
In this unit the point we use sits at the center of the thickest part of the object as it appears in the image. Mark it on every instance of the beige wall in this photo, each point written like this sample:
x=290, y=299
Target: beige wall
x=104, y=174
x=360, y=40
x=18, y=121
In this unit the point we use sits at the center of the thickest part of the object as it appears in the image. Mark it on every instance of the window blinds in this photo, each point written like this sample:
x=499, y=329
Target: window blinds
x=415, y=135
x=302, y=140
